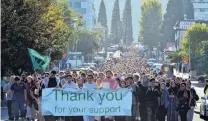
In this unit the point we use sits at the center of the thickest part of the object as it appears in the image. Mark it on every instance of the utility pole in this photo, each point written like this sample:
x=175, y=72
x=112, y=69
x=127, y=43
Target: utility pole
x=76, y=53
x=105, y=40
x=189, y=52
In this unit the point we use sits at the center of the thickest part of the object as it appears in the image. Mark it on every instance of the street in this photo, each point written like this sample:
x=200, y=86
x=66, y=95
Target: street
x=4, y=115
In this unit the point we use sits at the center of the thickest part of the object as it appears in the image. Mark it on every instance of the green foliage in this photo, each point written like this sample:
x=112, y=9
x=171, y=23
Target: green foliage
x=116, y=26
x=89, y=41
x=197, y=34
x=127, y=23
x=102, y=17
x=175, y=12
x=150, y=23
x=204, y=57
x=36, y=24
x=175, y=57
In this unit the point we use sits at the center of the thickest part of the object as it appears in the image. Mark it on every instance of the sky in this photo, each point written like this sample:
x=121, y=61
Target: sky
x=135, y=12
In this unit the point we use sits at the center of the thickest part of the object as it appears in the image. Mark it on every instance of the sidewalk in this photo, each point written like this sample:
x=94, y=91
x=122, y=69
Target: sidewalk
x=199, y=87
x=181, y=75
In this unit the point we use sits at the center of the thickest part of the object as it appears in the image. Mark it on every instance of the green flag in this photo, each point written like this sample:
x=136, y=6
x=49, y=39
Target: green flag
x=38, y=61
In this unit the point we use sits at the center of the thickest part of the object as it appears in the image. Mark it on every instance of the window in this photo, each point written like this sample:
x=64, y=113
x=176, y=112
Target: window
x=77, y=4
x=83, y=11
x=202, y=10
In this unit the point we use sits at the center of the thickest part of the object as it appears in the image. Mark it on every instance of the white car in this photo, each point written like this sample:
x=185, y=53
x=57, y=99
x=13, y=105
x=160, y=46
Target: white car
x=152, y=60
x=204, y=107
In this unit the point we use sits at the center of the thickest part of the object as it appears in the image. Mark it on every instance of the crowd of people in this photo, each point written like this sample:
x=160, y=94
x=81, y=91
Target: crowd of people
x=154, y=96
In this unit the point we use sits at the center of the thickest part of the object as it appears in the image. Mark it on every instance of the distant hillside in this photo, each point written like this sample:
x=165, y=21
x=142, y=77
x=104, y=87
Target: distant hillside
x=135, y=12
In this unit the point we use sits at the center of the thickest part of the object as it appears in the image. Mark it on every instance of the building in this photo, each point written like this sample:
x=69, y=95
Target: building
x=181, y=28
x=86, y=9
x=200, y=9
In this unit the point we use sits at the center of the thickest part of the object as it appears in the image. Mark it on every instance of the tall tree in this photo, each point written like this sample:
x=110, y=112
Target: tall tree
x=150, y=23
x=188, y=9
x=127, y=23
x=174, y=13
x=102, y=17
x=197, y=34
x=44, y=30
x=116, y=28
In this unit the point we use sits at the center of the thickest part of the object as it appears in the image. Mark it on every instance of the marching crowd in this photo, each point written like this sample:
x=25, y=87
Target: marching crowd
x=155, y=97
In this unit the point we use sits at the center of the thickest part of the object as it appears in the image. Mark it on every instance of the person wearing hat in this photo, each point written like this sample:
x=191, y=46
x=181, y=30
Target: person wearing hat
x=19, y=97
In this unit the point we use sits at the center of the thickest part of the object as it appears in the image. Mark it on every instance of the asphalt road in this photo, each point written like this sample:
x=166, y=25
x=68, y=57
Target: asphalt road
x=197, y=86
x=4, y=115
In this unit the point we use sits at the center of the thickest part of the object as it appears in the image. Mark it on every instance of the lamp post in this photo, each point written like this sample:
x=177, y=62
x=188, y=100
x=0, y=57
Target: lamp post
x=189, y=52
x=176, y=28
x=74, y=26
x=76, y=53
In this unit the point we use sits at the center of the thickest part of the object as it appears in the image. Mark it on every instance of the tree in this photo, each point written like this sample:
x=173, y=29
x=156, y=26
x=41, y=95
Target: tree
x=188, y=9
x=197, y=34
x=204, y=57
x=89, y=42
x=174, y=13
x=116, y=28
x=127, y=23
x=36, y=24
x=102, y=17
x=150, y=23
x=175, y=57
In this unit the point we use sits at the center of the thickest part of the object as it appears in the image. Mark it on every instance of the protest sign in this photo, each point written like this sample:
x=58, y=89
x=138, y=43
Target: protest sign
x=79, y=102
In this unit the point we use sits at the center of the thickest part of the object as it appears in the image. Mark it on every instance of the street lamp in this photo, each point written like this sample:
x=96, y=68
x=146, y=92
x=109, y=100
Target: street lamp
x=74, y=26
x=176, y=28
x=189, y=54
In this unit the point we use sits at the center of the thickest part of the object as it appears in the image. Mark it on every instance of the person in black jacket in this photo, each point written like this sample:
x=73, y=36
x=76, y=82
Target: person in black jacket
x=183, y=105
x=153, y=94
x=142, y=98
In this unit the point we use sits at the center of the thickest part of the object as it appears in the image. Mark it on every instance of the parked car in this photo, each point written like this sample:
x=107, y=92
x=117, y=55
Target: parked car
x=204, y=107
x=151, y=62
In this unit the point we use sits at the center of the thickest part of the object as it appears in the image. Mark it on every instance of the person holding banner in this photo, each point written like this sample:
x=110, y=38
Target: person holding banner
x=70, y=84
x=89, y=85
x=133, y=88
x=51, y=82
x=109, y=83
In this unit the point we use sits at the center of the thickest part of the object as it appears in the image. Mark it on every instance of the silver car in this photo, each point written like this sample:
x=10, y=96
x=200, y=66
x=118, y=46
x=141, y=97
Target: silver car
x=204, y=107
